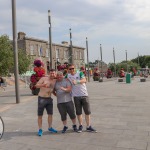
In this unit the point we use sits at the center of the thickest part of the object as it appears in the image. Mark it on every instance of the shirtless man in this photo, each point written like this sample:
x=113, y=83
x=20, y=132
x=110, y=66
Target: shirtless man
x=46, y=85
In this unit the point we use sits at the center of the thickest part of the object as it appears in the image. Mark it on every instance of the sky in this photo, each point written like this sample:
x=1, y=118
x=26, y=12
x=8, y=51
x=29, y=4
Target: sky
x=120, y=24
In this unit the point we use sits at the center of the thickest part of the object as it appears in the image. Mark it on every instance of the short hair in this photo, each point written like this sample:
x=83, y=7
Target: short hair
x=59, y=73
x=71, y=65
x=51, y=70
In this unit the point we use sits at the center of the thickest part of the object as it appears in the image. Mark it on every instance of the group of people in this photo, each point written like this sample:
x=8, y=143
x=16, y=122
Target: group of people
x=72, y=85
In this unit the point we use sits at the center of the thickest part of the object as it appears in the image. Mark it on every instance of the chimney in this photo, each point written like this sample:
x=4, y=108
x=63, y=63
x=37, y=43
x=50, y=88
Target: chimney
x=21, y=35
x=64, y=43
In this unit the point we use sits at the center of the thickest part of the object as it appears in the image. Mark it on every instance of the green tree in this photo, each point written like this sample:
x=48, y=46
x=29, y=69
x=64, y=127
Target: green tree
x=7, y=57
x=143, y=61
x=23, y=61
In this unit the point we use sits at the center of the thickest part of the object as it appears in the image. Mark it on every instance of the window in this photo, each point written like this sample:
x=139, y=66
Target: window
x=31, y=50
x=40, y=50
x=47, y=53
x=81, y=55
x=57, y=53
x=76, y=54
x=66, y=54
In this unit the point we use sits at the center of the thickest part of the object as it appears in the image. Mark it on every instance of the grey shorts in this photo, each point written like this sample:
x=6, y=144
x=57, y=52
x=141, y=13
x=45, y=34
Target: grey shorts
x=82, y=102
x=45, y=102
x=65, y=108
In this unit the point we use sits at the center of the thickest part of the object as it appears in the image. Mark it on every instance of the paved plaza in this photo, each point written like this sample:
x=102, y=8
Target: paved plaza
x=120, y=113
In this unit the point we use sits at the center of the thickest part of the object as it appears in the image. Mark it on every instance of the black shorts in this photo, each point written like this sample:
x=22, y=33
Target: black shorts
x=65, y=108
x=45, y=102
x=82, y=102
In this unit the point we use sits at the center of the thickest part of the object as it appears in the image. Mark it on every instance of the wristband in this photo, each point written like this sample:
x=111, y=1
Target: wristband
x=78, y=81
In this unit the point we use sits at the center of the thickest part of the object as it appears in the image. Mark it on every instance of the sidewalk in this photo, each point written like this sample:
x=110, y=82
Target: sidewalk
x=120, y=113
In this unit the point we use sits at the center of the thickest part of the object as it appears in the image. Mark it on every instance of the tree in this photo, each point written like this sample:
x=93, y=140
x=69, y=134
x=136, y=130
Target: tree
x=143, y=61
x=123, y=65
x=23, y=61
x=7, y=57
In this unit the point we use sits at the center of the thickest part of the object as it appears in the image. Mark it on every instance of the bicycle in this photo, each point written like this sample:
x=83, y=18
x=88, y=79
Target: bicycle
x=1, y=127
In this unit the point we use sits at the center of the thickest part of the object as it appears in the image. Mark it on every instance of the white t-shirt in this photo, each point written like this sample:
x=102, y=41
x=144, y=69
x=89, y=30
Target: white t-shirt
x=78, y=89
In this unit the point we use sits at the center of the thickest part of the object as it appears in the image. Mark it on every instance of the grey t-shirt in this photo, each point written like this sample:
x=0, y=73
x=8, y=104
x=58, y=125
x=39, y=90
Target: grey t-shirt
x=62, y=96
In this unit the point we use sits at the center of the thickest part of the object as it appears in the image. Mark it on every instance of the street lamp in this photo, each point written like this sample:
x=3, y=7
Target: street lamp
x=126, y=60
x=101, y=61
x=15, y=51
x=114, y=62
x=50, y=40
x=71, y=49
x=87, y=59
x=138, y=60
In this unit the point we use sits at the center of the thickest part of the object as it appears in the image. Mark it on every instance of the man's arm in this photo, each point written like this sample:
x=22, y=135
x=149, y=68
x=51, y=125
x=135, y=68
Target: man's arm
x=82, y=79
x=68, y=87
x=54, y=92
x=40, y=83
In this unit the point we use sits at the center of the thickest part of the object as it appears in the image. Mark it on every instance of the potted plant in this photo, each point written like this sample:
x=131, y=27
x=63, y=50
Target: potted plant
x=39, y=72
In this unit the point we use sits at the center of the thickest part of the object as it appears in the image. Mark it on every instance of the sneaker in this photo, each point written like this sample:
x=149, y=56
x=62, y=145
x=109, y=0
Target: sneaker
x=74, y=127
x=90, y=129
x=80, y=129
x=64, y=129
x=52, y=130
x=40, y=132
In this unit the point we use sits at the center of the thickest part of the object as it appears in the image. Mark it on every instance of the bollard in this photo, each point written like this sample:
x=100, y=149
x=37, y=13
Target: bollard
x=120, y=80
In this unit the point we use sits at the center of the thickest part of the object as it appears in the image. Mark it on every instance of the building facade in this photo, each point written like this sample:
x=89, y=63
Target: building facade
x=38, y=48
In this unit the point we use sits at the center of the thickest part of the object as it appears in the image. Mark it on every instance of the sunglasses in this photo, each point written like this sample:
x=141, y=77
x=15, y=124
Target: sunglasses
x=71, y=68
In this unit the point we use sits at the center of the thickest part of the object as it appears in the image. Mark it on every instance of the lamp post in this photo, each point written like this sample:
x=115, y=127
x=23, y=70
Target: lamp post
x=50, y=40
x=71, y=49
x=138, y=60
x=87, y=59
x=114, y=62
x=101, y=61
x=15, y=51
x=126, y=60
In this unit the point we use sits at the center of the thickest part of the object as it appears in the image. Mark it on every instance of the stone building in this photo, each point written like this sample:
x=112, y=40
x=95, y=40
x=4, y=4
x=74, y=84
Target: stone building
x=38, y=48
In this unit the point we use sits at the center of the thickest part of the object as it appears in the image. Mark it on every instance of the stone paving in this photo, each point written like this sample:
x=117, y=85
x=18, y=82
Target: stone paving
x=120, y=113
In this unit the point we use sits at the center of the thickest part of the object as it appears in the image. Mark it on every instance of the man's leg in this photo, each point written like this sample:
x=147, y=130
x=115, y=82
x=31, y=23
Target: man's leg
x=40, y=132
x=40, y=122
x=80, y=119
x=73, y=121
x=87, y=119
x=50, y=117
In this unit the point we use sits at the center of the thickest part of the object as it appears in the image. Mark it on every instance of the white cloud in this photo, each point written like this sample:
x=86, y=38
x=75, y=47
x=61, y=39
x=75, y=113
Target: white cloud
x=123, y=24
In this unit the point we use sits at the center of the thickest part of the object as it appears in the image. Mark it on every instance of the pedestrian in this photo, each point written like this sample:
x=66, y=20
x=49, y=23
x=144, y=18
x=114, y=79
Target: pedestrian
x=83, y=70
x=46, y=85
x=81, y=99
x=65, y=104
x=1, y=83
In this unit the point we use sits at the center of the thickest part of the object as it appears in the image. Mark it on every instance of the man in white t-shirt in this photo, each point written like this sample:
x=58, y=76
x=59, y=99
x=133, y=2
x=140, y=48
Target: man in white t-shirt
x=81, y=99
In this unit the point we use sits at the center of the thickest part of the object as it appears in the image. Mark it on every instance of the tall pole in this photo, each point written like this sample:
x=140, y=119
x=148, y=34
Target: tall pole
x=101, y=61
x=87, y=59
x=50, y=40
x=14, y=28
x=126, y=60
x=71, y=49
x=114, y=62
x=138, y=60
